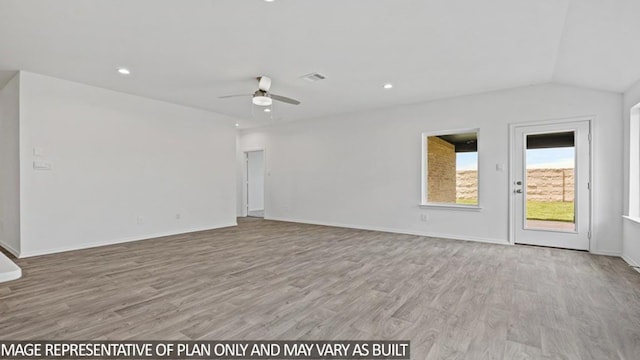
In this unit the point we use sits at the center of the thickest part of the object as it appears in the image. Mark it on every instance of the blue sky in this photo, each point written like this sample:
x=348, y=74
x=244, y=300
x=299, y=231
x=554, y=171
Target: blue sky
x=467, y=161
x=554, y=158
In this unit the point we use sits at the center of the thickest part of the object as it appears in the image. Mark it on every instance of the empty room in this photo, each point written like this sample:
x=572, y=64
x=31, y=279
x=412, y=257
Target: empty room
x=320, y=179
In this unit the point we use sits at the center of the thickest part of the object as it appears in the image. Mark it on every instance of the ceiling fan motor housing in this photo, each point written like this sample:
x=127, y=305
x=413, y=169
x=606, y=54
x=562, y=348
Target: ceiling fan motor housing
x=264, y=83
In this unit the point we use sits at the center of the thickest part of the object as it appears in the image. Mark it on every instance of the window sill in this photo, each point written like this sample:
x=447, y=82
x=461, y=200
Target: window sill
x=632, y=218
x=451, y=207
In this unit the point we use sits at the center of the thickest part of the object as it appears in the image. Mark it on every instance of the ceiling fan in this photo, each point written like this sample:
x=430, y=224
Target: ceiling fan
x=262, y=96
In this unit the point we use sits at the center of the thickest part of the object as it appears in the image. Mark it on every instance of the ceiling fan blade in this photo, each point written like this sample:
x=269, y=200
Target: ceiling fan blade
x=285, y=99
x=232, y=96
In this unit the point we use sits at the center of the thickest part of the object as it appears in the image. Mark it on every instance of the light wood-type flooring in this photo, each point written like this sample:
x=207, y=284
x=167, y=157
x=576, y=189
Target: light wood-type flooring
x=277, y=280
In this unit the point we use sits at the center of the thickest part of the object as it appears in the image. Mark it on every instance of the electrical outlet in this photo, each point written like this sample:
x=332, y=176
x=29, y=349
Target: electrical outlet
x=178, y=216
x=42, y=165
x=424, y=217
x=140, y=220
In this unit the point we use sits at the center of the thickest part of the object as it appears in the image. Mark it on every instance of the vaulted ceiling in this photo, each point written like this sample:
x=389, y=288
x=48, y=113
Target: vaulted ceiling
x=191, y=52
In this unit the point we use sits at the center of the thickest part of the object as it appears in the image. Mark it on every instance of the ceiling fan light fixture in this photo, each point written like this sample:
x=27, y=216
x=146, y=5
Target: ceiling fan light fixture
x=262, y=100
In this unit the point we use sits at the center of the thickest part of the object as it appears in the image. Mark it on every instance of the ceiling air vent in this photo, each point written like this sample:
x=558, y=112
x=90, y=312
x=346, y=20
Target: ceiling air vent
x=313, y=77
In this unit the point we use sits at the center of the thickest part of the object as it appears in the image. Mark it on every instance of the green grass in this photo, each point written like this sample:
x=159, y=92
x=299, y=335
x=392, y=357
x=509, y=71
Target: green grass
x=540, y=210
x=467, y=201
x=550, y=210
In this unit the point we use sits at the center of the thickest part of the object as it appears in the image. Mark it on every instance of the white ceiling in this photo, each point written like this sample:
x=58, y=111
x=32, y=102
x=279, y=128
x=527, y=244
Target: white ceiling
x=191, y=52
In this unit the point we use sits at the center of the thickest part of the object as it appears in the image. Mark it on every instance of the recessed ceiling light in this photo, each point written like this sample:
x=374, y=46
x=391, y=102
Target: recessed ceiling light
x=269, y=0
x=124, y=71
x=267, y=110
x=237, y=125
x=388, y=86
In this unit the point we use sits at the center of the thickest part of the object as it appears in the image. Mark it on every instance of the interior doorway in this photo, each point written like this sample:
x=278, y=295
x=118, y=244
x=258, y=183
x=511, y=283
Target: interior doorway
x=551, y=168
x=255, y=183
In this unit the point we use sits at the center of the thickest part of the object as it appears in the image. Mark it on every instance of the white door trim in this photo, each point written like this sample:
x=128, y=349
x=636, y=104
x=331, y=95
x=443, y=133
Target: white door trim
x=245, y=195
x=512, y=175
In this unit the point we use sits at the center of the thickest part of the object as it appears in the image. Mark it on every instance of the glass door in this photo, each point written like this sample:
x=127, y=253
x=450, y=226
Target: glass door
x=551, y=185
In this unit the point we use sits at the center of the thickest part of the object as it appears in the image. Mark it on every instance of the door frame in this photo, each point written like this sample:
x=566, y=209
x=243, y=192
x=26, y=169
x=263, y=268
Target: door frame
x=512, y=175
x=245, y=180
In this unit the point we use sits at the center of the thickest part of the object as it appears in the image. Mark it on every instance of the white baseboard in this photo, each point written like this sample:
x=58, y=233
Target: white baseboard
x=631, y=262
x=10, y=249
x=25, y=254
x=606, y=253
x=394, y=230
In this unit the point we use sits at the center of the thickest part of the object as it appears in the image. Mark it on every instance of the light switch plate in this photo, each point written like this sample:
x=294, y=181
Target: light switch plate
x=38, y=151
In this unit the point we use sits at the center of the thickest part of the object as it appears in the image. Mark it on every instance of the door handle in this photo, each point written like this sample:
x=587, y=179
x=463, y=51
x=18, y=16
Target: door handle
x=519, y=190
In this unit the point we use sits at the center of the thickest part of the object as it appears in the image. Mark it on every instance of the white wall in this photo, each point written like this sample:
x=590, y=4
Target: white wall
x=255, y=179
x=10, y=166
x=117, y=158
x=631, y=233
x=363, y=170
x=631, y=238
